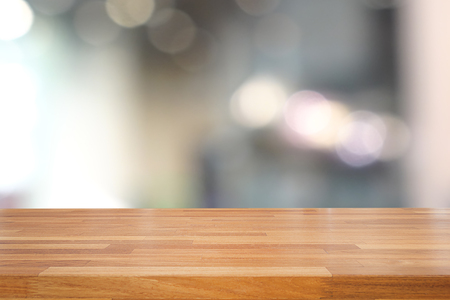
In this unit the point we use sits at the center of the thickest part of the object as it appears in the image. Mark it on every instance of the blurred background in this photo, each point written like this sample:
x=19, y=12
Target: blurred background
x=243, y=103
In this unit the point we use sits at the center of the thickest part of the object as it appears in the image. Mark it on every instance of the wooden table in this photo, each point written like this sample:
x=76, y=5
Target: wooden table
x=225, y=253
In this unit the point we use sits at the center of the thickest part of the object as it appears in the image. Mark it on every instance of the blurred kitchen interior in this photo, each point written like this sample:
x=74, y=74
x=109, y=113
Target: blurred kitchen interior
x=245, y=103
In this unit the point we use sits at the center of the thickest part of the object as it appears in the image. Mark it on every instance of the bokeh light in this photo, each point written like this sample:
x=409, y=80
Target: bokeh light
x=52, y=7
x=277, y=35
x=161, y=15
x=258, y=102
x=172, y=31
x=93, y=24
x=16, y=18
x=18, y=115
x=257, y=7
x=130, y=13
x=307, y=112
x=327, y=137
x=361, y=139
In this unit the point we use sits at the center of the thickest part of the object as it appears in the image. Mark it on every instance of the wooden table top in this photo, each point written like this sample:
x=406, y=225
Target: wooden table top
x=393, y=253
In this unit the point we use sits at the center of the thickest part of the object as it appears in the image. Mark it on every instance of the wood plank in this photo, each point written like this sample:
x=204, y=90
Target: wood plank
x=72, y=238
x=53, y=246
x=398, y=253
x=58, y=298
x=205, y=287
x=188, y=271
x=408, y=246
x=391, y=287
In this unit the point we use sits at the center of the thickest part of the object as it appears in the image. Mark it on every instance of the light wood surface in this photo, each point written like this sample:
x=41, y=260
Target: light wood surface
x=395, y=253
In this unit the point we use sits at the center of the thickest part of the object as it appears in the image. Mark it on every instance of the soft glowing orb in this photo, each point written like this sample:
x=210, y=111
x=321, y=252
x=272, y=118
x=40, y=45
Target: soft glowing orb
x=307, y=112
x=172, y=31
x=257, y=103
x=130, y=13
x=327, y=137
x=16, y=18
x=313, y=120
x=361, y=139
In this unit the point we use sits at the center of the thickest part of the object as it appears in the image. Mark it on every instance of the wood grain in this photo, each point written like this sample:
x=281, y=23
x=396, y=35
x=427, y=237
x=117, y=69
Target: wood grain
x=395, y=253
